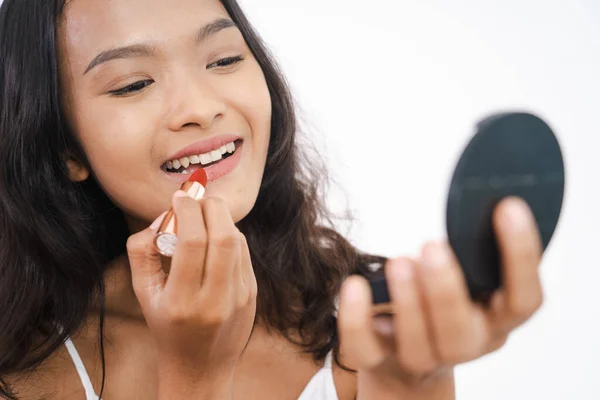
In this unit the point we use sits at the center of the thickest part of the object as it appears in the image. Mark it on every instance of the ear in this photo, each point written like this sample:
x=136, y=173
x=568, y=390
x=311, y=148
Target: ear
x=77, y=171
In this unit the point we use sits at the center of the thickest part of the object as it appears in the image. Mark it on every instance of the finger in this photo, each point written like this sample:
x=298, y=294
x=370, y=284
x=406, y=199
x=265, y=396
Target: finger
x=187, y=265
x=148, y=277
x=413, y=339
x=495, y=310
x=357, y=337
x=459, y=328
x=223, y=249
x=384, y=327
x=521, y=249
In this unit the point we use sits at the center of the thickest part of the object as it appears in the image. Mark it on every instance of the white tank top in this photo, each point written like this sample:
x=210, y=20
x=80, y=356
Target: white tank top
x=320, y=387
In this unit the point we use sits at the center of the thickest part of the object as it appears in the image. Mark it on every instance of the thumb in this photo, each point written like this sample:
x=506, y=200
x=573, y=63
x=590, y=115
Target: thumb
x=358, y=340
x=146, y=269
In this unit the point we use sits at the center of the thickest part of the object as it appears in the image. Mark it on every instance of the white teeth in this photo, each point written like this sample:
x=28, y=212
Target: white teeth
x=184, y=172
x=216, y=155
x=205, y=159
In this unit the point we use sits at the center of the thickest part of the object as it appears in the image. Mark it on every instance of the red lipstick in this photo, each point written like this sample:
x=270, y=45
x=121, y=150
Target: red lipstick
x=166, y=236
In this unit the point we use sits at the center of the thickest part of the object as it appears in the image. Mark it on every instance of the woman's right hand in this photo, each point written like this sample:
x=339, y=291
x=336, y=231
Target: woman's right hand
x=201, y=314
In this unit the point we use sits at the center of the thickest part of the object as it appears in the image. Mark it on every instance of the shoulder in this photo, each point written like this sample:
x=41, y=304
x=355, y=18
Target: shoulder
x=345, y=382
x=55, y=379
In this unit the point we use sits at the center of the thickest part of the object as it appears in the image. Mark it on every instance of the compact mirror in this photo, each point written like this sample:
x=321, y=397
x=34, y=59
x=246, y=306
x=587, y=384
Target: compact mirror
x=511, y=154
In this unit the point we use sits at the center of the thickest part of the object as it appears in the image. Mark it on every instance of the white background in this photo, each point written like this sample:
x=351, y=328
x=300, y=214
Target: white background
x=393, y=89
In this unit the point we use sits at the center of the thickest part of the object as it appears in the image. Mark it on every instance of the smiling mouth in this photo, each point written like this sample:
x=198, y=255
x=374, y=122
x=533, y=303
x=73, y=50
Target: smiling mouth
x=189, y=164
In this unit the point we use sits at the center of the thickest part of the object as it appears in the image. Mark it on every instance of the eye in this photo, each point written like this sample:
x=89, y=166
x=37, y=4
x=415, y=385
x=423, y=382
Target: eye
x=133, y=88
x=226, y=62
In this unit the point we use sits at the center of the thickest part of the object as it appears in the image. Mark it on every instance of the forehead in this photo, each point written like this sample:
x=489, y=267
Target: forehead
x=88, y=27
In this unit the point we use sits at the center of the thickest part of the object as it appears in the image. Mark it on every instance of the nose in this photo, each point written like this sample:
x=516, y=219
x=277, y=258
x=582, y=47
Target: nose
x=195, y=104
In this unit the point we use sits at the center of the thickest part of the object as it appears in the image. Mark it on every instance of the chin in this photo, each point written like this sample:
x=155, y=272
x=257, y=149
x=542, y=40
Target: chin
x=241, y=204
x=240, y=211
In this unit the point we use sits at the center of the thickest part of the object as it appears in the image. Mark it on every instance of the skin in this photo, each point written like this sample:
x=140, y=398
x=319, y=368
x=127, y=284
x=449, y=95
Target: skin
x=188, y=334
x=128, y=138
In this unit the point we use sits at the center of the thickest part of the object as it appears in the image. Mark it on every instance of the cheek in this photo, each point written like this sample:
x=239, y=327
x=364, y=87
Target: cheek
x=112, y=139
x=251, y=100
x=255, y=105
x=115, y=142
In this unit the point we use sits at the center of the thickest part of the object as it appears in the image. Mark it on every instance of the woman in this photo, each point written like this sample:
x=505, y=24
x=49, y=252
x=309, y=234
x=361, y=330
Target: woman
x=105, y=109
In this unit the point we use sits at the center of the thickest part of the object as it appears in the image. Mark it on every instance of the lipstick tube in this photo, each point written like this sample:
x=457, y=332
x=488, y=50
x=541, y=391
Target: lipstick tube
x=166, y=236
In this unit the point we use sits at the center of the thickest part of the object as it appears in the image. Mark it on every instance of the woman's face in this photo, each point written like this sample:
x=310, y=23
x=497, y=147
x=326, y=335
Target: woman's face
x=154, y=86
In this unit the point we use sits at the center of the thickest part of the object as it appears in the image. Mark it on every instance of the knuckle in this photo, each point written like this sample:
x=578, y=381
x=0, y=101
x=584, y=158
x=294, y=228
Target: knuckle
x=535, y=302
x=525, y=307
x=242, y=301
x=139, y=249
x=498, y=343
x=459, y=352
x=245, y=299
x=217, y=316
x=253, y=289
x=210, y=203
x=178, y=315
x=193, y=242
x=227, y=241
x=135, y=244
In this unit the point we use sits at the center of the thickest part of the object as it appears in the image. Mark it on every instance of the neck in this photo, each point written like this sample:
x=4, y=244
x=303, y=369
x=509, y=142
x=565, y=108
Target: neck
x=120, y=299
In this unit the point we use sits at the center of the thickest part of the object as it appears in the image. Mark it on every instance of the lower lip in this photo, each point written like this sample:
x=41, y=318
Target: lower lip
x=217, y=170
x=224, y=167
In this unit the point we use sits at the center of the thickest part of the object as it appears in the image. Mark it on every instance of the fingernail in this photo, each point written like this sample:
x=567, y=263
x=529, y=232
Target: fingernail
x=517, y=214
x=383, y=325
x=180, y=193
x=436, y=256
x=351, y=292
x=402, y=270
x=157, y=221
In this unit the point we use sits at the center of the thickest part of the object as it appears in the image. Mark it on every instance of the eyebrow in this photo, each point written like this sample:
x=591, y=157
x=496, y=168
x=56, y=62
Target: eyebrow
x=143, y=50
x=213, y=28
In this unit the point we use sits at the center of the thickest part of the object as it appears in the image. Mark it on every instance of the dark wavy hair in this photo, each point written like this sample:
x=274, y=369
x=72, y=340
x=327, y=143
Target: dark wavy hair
x=57, y=236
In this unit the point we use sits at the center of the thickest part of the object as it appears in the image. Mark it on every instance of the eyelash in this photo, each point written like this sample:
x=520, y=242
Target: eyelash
x=134, y=87
x=227, y=62
x=140, y=85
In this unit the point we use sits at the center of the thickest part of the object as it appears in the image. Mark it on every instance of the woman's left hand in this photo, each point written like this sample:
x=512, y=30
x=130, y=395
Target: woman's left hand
x=436, y=325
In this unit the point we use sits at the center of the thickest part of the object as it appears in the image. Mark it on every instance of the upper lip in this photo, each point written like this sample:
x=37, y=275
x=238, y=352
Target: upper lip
x=204, y=146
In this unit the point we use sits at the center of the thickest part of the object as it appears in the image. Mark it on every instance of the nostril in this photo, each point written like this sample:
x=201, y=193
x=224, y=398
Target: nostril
x=191, y=124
